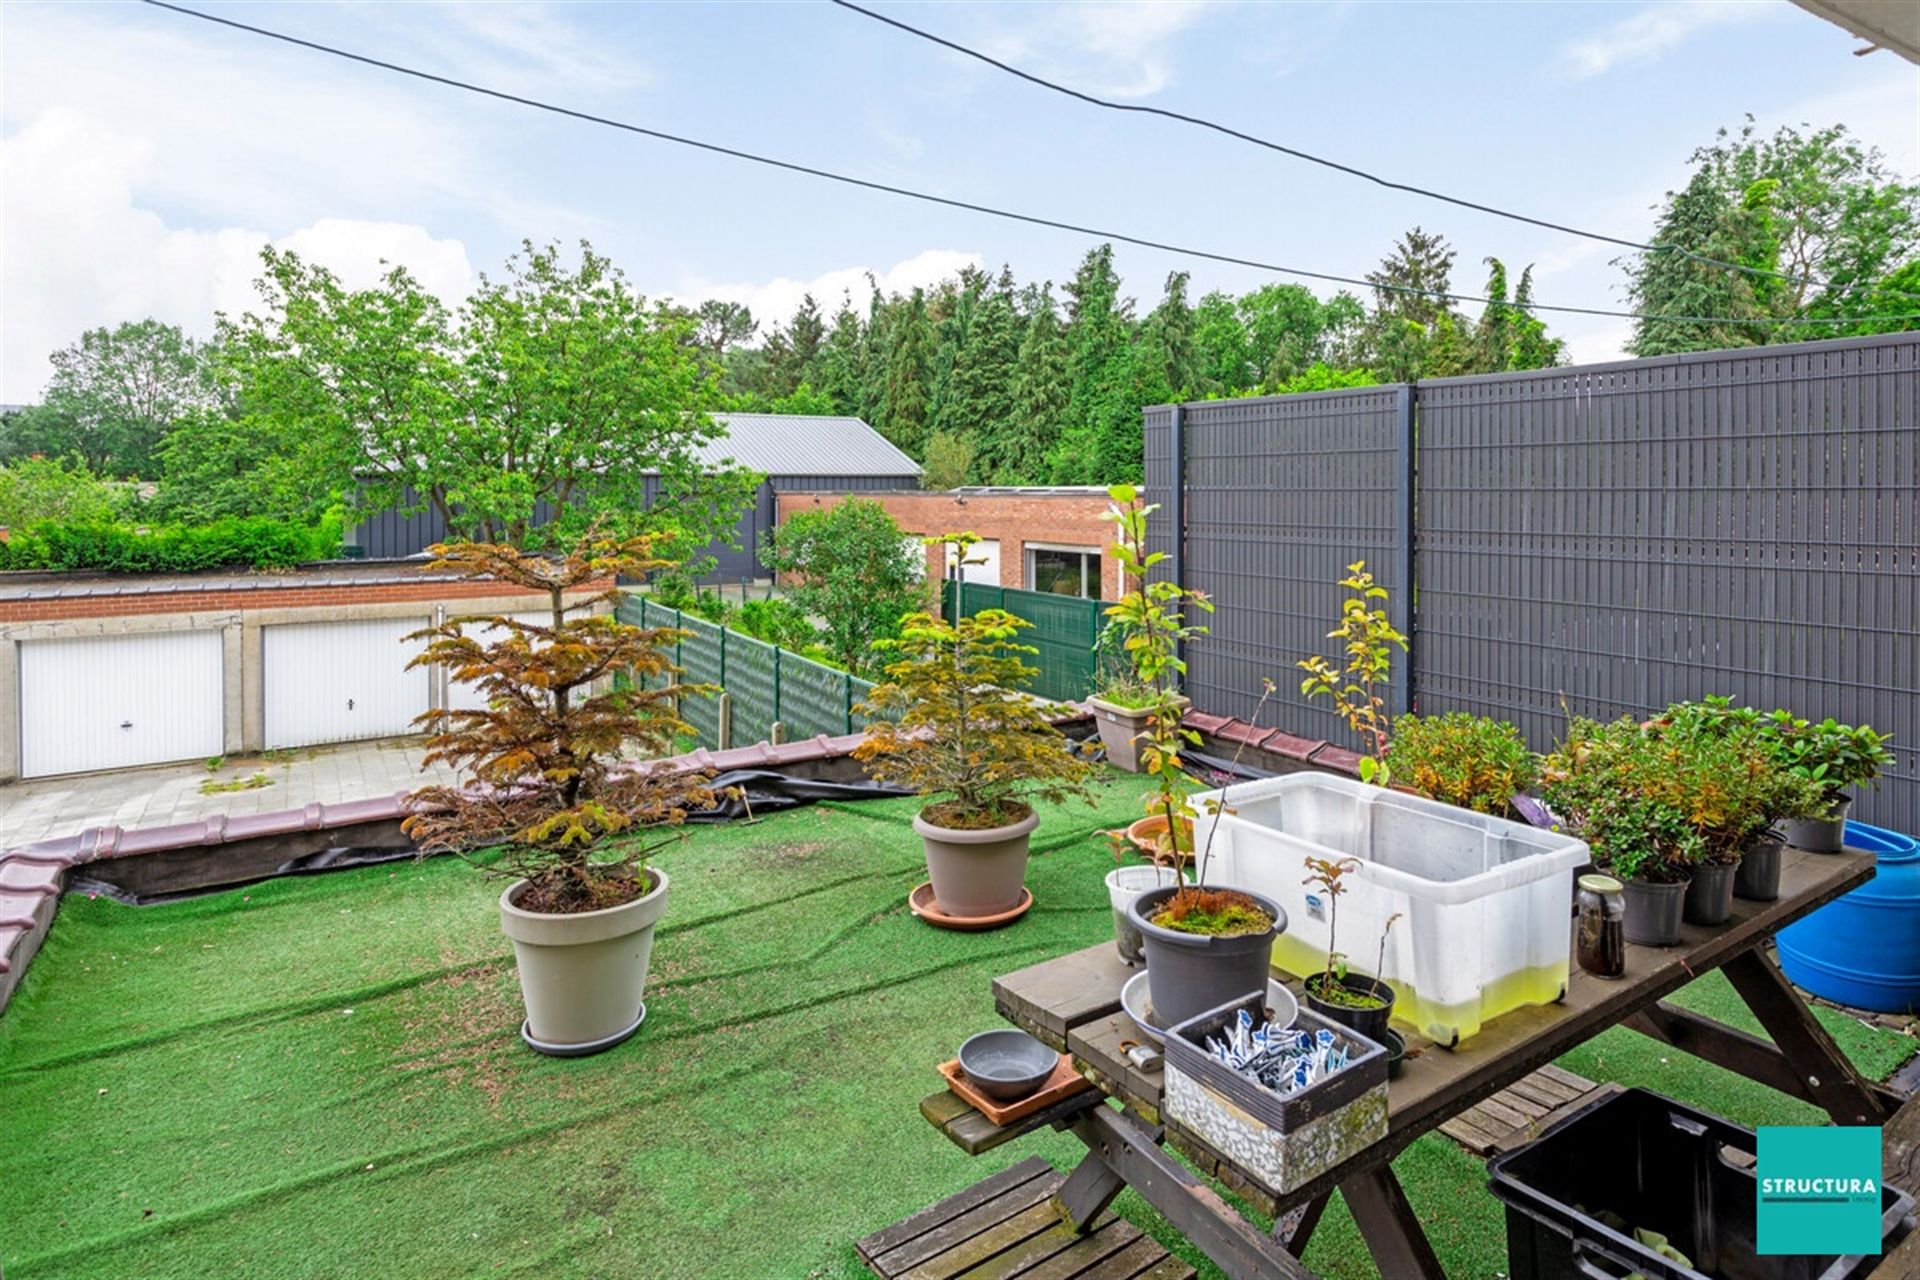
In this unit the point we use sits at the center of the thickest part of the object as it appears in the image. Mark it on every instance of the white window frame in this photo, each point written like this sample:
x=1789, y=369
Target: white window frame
x=1089, y=585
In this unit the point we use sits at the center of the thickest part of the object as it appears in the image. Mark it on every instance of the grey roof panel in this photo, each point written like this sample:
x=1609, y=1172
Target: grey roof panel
x=805, y=444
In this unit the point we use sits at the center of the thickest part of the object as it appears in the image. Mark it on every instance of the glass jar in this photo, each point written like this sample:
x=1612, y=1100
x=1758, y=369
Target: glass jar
x=1600, y=940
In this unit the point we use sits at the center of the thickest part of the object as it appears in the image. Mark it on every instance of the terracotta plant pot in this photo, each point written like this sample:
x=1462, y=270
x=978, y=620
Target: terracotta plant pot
x=583, y=976
x=1148, y=832
x=1654, y=911
x=1758, y=877
x=1191, y=973
x=1709, y=897
x=1120, y=728
x=1371, y=1023
x=1819, y=835
x=977, y=873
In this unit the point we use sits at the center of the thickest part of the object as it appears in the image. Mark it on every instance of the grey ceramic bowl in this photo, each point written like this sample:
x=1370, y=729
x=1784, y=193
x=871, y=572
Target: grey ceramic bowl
x=1007, y=1064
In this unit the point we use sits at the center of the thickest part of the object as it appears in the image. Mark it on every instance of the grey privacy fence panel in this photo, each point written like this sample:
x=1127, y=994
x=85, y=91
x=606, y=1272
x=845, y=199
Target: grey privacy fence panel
x=1633, y=534
x=1281, y=494
x=764, y=685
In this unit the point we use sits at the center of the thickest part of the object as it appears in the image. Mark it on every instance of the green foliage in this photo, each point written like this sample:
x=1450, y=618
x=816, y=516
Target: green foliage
x=555, y=384
x=1368, y=639
x=950, y=723
x=1602, y=780
x=217, y=465
x=33, y=490
x=1810, y=205
x=113, y=397
x=778, y=622
x=949, y=458
x=1475, y=762
x=1833, y=755
x=256, y=543
x=850, y=566
x=1216, y=913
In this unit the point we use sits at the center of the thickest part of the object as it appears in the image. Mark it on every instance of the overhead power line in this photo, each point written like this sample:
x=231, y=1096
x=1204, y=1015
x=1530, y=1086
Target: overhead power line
x=970, y=206
x=1336, y=165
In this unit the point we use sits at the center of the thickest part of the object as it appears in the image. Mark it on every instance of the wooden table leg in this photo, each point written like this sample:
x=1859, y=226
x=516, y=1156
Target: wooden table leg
x=1295, y=1227
x=1088, y=1190
x=1195, y=1209
x=1386, y=1221
x=1830, y=1079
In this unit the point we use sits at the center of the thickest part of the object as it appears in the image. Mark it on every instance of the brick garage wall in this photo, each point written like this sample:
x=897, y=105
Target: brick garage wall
x=1013, y=519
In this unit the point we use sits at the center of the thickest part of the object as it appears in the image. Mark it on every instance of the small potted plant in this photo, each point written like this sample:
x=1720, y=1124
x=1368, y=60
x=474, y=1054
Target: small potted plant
x=1363, y=1002
x=950, y=722
x=550, y=789
x=1122, y=701
x=1457, y=758
x=1204, y=945
x=1598, y=781
x=1836, y=756
x=1355, y=688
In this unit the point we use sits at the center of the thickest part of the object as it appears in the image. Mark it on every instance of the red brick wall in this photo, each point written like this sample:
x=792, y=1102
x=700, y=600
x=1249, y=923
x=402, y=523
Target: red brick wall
x=189, y=600
x=1067, y=520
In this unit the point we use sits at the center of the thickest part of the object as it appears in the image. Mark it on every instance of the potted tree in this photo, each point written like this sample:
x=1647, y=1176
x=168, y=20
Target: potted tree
x=1122, y=701
x=1835, y=756
x=1203, y=945
x=1360, y=1001
x=1457, y=758
x=548, y=787
x=950, y=722
x=1369, y=638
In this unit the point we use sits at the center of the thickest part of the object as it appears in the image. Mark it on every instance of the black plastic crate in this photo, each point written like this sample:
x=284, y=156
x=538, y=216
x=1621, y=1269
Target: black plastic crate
x=1662, y=1166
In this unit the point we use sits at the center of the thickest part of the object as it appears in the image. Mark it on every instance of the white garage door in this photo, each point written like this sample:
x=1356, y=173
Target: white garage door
x=341, y=681
x=115, y=701
x=466, y=697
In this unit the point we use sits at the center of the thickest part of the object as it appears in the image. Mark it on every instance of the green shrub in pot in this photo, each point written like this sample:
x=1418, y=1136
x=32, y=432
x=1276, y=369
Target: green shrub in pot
x=1834, y=757
x=950, y=722
x=1475, y=762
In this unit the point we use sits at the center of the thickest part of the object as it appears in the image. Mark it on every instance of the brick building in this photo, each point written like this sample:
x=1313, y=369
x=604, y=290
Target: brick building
x=1036, y=539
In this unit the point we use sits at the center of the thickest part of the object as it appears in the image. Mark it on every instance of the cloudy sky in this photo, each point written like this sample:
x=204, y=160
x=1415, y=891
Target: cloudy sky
x=148, y=156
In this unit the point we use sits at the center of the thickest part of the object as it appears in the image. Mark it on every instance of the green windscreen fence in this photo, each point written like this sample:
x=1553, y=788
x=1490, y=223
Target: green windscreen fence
x=765, y=685
x=1065, y=630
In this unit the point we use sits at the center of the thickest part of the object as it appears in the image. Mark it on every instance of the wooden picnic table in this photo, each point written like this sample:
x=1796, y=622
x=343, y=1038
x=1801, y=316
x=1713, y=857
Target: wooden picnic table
x=1073, y=1003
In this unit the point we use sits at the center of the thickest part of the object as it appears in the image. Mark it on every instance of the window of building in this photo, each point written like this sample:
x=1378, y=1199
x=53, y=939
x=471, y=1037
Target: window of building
x=1064, y=571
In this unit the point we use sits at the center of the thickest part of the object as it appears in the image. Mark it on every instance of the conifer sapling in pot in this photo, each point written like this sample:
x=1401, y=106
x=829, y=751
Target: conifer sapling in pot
x=949, y=721
x=546, y=787
x=1204, y=944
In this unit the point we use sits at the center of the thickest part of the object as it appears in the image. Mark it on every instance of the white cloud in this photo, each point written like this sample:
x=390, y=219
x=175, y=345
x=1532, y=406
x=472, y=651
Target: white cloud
x=1653, y=31
x=83, y=251
x=1115, y=48
x=775, y=301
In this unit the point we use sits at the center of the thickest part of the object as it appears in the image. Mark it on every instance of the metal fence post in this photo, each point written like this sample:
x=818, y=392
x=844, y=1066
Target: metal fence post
x=1177, y=516
x=846, y=687
x=776, y=685
x=723, y=656
x=1400, y=605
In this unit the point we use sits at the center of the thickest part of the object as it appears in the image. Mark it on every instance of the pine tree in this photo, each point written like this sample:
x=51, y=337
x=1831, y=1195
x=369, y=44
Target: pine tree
x=1040, y=390
x=978, y=403
x=1170, y=360
x=906, y=400
x=1096, y=448
x=837, y=369
x=800, y=346
x=1703, y=219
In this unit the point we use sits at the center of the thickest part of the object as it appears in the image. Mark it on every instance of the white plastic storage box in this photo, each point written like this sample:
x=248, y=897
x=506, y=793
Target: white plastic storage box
x=1485, y=904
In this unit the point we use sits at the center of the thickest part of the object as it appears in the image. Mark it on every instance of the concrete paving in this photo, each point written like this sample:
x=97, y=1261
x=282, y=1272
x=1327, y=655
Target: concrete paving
x=168, y=794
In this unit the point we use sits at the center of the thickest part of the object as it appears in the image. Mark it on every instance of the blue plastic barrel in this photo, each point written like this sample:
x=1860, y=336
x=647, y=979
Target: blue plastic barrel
x=1863, y=949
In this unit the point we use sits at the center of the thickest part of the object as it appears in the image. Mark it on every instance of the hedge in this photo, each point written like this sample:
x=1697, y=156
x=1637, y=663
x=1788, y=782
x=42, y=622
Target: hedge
x=255, y=542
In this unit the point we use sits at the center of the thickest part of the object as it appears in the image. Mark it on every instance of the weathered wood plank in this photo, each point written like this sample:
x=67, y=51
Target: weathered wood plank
x=962, y=1227
x=1107, y=1234
x=1900, y=1148
x=1831, y=1081
x=1126, y=1264
x=1050, y=998
x=1473, y=1137
x=996, y=1239
x=1168, y=1268
x=1518, y=1137
x=1099, y=1046
x=1559, y=1076
x=1087, y=1192
x=1094, y=1250
x=972, y=1132
x=953, y=1206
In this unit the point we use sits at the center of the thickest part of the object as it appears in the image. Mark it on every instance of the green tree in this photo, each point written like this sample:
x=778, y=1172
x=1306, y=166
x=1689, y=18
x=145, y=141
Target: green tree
x=838, y=368
x=949, y=459
x=1813, y=207
x=33, y=490
x=1220, y=346
x=1040, y=396
x=556, y=385
x=1102, y=442
x=1509, y=335
x=113, y=397
x=792, y=351
x=1169, y=360
x=1412, y=330
x=904, y=416
x=849, y=566
x=216, y=465
x=722, y=326
x=978, y=406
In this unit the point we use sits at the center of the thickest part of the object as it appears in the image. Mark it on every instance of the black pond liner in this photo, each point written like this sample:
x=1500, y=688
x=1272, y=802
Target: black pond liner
x=761, y=791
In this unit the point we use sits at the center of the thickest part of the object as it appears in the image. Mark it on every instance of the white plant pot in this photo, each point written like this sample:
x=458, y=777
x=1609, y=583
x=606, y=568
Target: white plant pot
x=583, y=976
x=1124, y=884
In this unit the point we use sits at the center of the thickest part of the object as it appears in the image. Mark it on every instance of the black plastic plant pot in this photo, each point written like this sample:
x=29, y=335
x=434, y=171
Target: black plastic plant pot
x=1396, y=1046
x=1709, y=897
x=1758, y=877
x=1371, y=1023
x=1190, y=973
x=1654, y=911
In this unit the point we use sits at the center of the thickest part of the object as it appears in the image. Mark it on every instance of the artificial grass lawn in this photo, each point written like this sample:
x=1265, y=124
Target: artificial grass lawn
x=321, y=1077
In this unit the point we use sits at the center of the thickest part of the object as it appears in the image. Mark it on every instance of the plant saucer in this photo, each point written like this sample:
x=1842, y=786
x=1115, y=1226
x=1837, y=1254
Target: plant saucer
x=1282, y=1007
